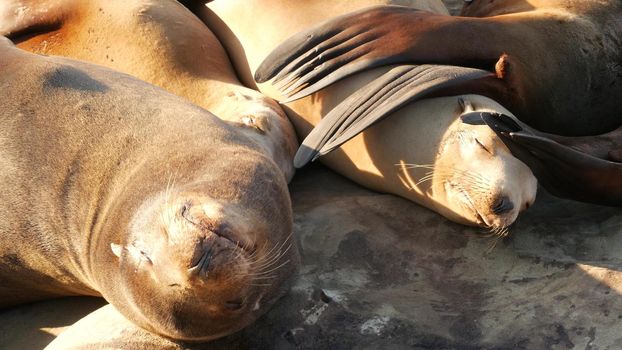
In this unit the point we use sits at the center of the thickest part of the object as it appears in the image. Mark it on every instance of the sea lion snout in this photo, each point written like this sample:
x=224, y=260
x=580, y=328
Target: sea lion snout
x=210, y=221
x=502, y=205
x=210, y=242
x=504, y=208
x=212, y=264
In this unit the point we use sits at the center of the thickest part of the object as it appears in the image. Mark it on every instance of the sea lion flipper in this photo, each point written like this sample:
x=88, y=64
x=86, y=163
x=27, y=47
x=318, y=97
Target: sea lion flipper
x=335, y=49
x=321, y=78
x=535, y=142
x=313, y=44
x=389, y=92
x=564, y=171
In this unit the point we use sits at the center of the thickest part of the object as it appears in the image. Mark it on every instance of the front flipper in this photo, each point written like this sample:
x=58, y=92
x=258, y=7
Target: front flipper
x=372, y=37
x=389, y=92
x=560, y=164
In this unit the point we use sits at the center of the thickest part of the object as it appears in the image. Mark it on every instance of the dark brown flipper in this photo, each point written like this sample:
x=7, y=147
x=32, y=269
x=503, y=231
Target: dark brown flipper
x=372, y=103
x=560, y=165
x=372, y=37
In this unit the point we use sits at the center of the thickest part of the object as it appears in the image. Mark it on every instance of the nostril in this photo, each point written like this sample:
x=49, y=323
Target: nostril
x=233, y=305
x=502, y=206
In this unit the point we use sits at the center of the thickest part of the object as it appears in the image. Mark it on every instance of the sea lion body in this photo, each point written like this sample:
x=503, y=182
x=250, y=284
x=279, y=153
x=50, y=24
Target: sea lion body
x=159, y=42
x=560, y=61
x=564, y=60
x=558, y=66
x=385, y=157
x=111, y=186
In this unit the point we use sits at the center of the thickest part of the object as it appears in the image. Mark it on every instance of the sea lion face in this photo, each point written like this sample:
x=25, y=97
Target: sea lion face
x=477, y=180
x=198, y=267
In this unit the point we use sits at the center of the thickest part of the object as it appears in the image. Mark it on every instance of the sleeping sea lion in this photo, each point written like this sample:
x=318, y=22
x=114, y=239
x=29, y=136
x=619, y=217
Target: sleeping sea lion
x=114, y=187
x=560, y=60
x=423, y=152
x=159, y=42
x=558, y=68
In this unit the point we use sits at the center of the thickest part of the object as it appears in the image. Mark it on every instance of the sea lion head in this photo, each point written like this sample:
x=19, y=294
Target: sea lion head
x=205, y=259
x=476, y=179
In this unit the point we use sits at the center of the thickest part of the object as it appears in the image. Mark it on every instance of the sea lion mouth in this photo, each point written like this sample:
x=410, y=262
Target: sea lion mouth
x=211, y=253
x=478, y=217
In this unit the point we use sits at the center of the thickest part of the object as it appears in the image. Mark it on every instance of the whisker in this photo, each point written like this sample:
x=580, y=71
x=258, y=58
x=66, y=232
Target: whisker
x=273, y=269
x=264, y=278
x=273, y=260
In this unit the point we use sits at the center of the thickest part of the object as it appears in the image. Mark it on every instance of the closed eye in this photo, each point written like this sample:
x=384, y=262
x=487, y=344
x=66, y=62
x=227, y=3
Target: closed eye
x=482, y=146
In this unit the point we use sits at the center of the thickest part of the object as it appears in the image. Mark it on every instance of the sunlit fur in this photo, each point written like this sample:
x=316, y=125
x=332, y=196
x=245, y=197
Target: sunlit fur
x=472, y=172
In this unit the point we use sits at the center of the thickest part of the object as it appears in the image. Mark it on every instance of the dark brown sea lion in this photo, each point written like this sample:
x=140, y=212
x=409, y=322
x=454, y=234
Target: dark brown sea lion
x=560, y=60
x=160, y=42
x=113, y=187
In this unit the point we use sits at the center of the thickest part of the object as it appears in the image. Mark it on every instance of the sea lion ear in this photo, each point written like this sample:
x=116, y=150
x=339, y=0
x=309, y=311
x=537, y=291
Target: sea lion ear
x=132, y=253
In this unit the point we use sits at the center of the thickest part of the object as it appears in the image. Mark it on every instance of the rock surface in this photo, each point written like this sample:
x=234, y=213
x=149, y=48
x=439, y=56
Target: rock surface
x=380, y=272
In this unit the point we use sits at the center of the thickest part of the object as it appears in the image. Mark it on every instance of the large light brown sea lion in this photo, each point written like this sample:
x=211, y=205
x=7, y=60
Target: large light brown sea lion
x=113, y=187
x=559, y=68
x=160, y=42
x=423, y=152
x=560, y=60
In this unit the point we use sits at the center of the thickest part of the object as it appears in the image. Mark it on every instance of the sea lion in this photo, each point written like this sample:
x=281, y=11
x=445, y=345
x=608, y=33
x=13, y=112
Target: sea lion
x=560, y=60
x=159, y=42
x=474, y=179
x=114, y=187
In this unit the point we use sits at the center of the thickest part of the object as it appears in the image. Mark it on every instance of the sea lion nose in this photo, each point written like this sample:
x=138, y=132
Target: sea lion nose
x=502, y=205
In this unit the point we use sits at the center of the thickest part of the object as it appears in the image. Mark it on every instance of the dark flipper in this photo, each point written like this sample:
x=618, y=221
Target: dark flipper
x=561, y=168
x=376, y=100
x=327, y=40
x=372, y=37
